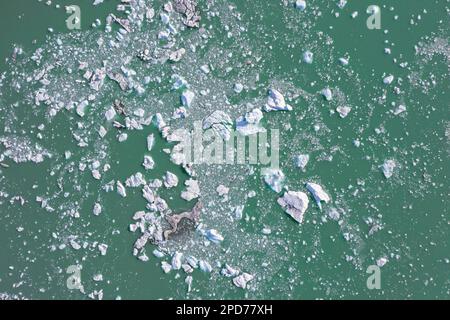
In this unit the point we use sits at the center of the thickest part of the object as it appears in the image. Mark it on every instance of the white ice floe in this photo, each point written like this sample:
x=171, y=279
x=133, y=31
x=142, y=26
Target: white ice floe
x=295, y=204
x=97, y=209
x=81, y=108
x=110, y=114
x=238, y=87
x=382, y=261
x=318, y=193
x=308, y=57
x=148, y=162
x=300, y=5
x=327, y=94
x=187, y=97
x=213, y=236
x=249, y=124
x=274, y=178
x=301, y=161
x=150, y=142
x=121, y=189
x=102, y=248
x=192, y=191
x=176, y=261
x=400, y=109
x=122, y=137
x=388, y=79
x=170, y=180
x=343, y=111
x=276, y=102
x=388, y=168
x=242, y=280
x=343, y=61
x=220, y=122
x=166, y=266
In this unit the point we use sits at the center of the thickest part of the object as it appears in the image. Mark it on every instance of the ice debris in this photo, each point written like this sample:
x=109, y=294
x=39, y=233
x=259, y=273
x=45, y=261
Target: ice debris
x=308, y=57
x=300, y=5
x=121, y=189
x=327, y=94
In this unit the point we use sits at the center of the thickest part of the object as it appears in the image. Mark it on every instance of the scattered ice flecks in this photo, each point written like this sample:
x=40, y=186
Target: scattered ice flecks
x=21, y=149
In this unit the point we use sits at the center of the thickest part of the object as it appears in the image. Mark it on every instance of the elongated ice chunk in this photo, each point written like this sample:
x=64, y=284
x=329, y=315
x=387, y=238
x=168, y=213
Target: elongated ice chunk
x=318, y=193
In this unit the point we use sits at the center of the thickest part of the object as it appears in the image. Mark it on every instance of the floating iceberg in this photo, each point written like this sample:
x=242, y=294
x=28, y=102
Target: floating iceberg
x=295, y=204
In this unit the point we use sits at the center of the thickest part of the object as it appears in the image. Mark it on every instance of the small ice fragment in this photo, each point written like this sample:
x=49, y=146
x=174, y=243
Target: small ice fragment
x=166, y=267
x=222, y=190
x=205, y=68
x=318, y=193
x=148, y=162
x=382, y=261
x=238, y=87
x=276, y=102
x=205, y=266
x=97, y=277
x=176, y=261
x=241, y=281
x=274, y=178
x=110, y=114
x=187, y=97
x=388, y=168
x=81, y=108
x=400, y=109
x=170, y=180
x=343, y=61
x=122, y=137
x=388, y=79
x=214, y=236
x=295, y=204
x=301, y=161
x=121, y=189
x=150, y=142
x=343, y=111
x=308, y=57
x=102, y=248
x=97, y=209
x=300, y=5
x=102, y=132
x=327, y=94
